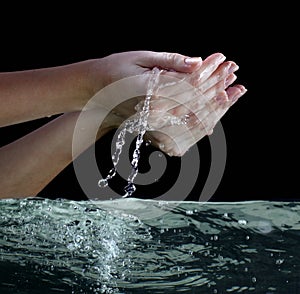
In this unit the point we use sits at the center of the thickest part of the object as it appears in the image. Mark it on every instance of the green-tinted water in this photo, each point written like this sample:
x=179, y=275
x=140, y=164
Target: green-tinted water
x=145, y=246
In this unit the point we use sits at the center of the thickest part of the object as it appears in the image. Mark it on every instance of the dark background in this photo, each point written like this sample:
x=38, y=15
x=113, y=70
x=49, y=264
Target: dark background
x=261, y=129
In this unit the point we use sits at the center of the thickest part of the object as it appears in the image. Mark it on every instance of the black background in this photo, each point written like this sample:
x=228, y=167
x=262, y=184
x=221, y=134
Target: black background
x=261, y=129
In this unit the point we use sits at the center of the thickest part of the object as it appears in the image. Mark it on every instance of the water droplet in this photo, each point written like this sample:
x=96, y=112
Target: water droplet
x=189, y=212
x=129, y=189
x=242, y=222
x=279, y=261
x=103, y=183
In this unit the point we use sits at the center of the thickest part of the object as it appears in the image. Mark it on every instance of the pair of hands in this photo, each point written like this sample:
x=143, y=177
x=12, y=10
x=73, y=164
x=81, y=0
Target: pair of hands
x=193, y=91
x=109, y=90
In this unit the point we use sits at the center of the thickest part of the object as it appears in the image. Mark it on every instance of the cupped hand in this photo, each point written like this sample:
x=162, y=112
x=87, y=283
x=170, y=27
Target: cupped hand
x=187, y=112
x=190, y=99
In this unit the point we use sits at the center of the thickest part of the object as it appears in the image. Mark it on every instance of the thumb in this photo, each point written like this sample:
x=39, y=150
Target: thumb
x=172, y=61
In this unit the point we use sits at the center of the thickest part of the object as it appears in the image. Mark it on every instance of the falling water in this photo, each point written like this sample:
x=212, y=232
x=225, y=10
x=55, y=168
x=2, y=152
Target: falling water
x=138, y=124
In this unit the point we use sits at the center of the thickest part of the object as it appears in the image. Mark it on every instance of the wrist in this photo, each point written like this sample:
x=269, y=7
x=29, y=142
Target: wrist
x=81, y=84
x=92, y=81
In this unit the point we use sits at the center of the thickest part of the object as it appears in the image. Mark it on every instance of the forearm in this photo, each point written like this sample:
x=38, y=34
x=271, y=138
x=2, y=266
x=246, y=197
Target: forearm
x=30, y=163
x=31, y=94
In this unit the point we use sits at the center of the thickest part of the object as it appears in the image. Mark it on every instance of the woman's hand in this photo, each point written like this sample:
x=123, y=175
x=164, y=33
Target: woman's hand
x=187, y=116
x=191, y=99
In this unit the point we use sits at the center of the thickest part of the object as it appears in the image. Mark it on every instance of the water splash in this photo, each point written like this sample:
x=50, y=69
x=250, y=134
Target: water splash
x=113, y=247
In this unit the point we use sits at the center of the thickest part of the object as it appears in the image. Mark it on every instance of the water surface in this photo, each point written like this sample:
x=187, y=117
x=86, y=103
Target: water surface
x=147, y=246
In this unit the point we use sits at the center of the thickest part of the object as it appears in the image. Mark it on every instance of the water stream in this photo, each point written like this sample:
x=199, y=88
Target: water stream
x=139, y=125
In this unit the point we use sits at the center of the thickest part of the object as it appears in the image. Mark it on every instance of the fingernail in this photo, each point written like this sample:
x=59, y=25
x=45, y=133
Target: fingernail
x=210, y=132
x=238, y=95
x=221, y=57
x=233, y=67
x=229, y=80
x=192, y=60
x=244, y=90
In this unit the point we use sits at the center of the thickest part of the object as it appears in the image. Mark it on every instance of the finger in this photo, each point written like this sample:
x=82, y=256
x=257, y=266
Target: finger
x=181, y=106
x=196, y=78
x=220, y=94
x=209, y=116
x=175, y=141
x=213, y=111
x=192, y=113
x=209, y=65
x=234, y=93
x=220, y=74
x=199, y=102
x=191, y=97
x=166, y=142
x=171, y=61
x=187, y=98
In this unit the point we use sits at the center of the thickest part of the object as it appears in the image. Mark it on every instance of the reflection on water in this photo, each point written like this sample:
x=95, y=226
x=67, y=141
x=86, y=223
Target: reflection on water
x=146, y=246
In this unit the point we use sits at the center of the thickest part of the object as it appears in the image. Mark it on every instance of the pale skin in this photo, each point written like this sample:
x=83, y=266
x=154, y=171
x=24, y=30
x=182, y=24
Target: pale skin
x=30, y=163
